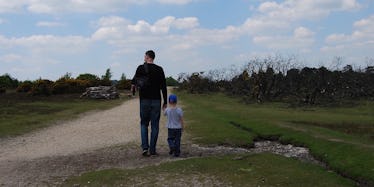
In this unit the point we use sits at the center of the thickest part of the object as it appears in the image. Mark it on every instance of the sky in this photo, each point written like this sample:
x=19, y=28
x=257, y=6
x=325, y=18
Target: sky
x=49, y=38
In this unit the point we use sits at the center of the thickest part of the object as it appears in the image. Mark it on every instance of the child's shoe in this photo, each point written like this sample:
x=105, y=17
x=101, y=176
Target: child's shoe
x=171, y=151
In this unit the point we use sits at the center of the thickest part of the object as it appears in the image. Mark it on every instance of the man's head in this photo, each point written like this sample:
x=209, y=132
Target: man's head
x=149, y=56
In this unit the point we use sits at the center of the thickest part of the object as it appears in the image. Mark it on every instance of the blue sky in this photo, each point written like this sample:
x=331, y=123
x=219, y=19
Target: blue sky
x=48, y=38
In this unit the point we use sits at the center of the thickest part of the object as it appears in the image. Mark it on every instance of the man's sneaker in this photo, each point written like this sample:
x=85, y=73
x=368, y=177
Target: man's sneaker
x=145, y=153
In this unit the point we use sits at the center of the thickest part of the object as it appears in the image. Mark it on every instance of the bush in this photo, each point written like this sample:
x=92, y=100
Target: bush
x=66, y=86
x=170, y=81
x=196, y=83
x=93, y=80
x=2, y=90
x=6, y=81
x=24, y=87
x=42, y=87
x=124, y=85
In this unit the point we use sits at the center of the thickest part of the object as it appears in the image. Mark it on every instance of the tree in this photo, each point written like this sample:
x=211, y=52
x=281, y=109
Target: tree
x=66, y=76
x=170, y=81
x=107, y=76
x=105, y=79
x=123, y=77
x=6, y=81
x=123, y=83
x=348, y=68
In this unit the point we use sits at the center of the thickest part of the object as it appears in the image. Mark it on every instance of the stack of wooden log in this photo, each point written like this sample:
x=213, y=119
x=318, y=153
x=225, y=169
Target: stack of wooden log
x=101, y=92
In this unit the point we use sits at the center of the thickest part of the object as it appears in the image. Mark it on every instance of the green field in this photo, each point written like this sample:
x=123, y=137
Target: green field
x=342, y=137
x=21, y=113
x=238, y=170
x=334, y=135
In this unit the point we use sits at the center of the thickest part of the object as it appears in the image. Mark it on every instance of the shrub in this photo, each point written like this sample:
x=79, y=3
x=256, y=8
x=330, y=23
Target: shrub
x=2, y=90
x=66, y=86
x=42, y=87
x=25, y=87
x=196, y=83
x=124, y=85
x=93, y=80
x=6, y=81
x=170, y=81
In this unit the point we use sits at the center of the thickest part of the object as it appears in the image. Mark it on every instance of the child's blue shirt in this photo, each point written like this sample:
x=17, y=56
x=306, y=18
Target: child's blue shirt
x=174, y=117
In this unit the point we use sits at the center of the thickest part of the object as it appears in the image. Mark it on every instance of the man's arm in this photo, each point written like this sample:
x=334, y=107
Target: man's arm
x=133, y=81
x=163, y=88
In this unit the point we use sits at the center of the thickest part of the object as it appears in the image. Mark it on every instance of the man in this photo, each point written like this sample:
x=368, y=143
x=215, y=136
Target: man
x=150, y=100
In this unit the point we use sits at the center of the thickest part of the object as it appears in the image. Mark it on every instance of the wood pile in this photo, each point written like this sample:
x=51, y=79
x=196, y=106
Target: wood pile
x=101, y=92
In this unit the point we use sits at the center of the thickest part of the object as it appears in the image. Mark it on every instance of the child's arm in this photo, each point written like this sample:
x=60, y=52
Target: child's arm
x=164, y=110
x=181, y=117
x=182, y=122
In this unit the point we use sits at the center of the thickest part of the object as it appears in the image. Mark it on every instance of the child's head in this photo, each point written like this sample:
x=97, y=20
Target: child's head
x=172, y=99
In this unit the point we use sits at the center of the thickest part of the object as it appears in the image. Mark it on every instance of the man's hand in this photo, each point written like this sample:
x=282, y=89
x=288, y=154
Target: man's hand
x=164, y=106
x=133, y=89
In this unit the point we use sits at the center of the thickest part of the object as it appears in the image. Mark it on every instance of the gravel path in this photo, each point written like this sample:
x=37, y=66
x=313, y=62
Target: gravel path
x=118, y=125
x=93, y=131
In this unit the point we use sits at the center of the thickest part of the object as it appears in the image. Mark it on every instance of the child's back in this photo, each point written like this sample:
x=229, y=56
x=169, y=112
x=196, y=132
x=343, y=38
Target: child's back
x=174, y=115
x=174, y=125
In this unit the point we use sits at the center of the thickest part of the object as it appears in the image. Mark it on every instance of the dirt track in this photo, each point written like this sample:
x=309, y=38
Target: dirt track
x=33, y=158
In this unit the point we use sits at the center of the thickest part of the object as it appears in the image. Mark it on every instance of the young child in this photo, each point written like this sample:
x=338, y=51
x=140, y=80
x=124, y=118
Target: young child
x=174, y=125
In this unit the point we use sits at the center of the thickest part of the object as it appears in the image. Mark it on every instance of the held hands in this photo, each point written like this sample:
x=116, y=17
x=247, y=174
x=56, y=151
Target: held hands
x=164, y=106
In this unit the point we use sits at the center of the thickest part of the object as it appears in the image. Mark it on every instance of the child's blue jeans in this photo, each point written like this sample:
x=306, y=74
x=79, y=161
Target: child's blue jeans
x=174, y=140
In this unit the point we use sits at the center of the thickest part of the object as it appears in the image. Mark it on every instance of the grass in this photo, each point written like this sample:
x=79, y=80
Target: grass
x=21, y=113
x=234, y=170
x=330, y=132
x=211, y=120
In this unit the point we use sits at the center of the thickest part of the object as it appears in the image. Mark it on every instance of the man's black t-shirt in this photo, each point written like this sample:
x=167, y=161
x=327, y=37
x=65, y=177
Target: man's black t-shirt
x=156, y=79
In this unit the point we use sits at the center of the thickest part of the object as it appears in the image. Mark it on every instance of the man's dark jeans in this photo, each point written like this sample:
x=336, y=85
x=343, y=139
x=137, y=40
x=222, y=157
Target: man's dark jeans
x=149, y=112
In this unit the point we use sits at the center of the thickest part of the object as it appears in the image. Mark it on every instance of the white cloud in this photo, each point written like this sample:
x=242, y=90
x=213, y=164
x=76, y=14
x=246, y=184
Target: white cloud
x=360, y=43
x=301, y=40
x=302, y=32
x=363, y=33
x=282, y=16
x=10, y=58
x=12, y=6
x=294, y=10
x=57, y=6
x=112, y=21
x=45, y=44
x=49, y=24
x=42, y=8
x=261, y=25
x=186, y=23
x=178, y=2
x=114, y=27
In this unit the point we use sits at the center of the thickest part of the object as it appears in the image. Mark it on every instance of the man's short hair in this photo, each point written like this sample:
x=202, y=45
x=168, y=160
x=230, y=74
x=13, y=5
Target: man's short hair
x=150, y=54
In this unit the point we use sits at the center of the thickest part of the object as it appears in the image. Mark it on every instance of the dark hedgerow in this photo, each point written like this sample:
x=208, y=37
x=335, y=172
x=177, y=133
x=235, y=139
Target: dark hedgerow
x=42, y=87
x=25, y=87
x=271, y=82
